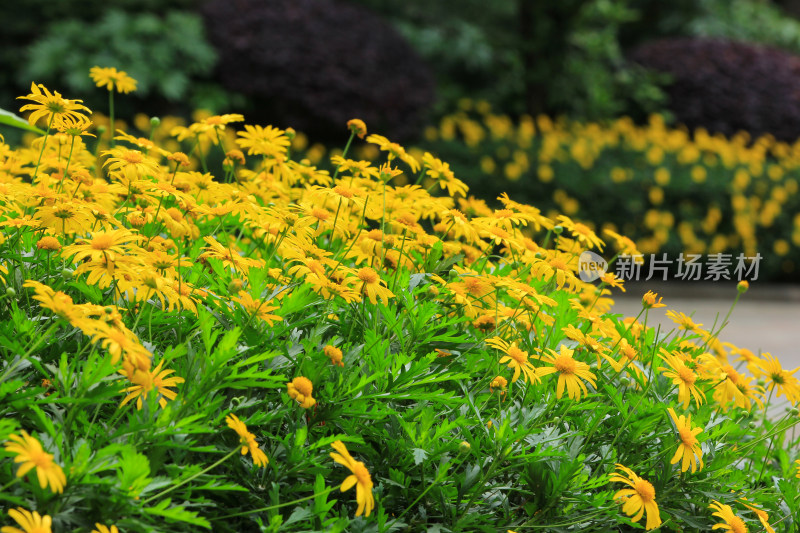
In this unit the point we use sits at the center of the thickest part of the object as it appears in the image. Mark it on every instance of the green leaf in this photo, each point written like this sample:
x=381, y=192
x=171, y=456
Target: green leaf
x=10, y=119
x=177, y=514
x=419, y=455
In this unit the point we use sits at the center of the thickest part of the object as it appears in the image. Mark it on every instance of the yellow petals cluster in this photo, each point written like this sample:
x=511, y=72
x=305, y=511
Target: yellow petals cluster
x=247, y=440
x=300, y=389
x=111, y=79
x=29, y=452
x=639, y=499
x=360, y=478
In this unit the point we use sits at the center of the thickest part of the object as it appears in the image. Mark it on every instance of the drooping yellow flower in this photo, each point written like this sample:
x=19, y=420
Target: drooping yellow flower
x=51, y=106
x=730, y=522
x=30, y=522
x=57, y=302
x=75, y=126
x=111, y=78
x=30, y=453
x=64, y=216
x=229, y=256
x=357, y=126
x=639, y=499
x=334, y=354
x=571, y=372
x=624, y=245
x=762, y=515
x=689, y=451
x=247, y=440
x=360, y=478
x=683, y=321
x=582, y=233
x=300, y=389
x=440, y=171
x=372, y=285
x=394, y=150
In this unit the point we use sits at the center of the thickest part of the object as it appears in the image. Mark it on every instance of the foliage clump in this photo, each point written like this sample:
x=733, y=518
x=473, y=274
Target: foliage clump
x=727, y=86
x=315, y=64
x=236, y=344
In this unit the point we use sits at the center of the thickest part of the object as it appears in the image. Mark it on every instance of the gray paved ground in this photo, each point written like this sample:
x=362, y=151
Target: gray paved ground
x=766, y=318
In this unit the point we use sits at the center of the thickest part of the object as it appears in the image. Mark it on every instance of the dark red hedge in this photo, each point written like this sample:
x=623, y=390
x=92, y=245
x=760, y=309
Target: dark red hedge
x=727, y=86
x=315, y=64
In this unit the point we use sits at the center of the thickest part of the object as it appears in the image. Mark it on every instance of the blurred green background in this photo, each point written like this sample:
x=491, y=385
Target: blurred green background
x=447, y=75
x=566, y=57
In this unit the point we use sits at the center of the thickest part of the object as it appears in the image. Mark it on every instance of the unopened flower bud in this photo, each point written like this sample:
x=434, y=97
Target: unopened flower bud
x=155, y=122
x=10, y=292
x=464, y=447
x=558, y=229
x=742, y=287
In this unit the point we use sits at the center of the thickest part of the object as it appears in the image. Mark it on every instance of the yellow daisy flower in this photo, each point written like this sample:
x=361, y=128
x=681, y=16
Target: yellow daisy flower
x=570, y=373
x=360, y=478
x=372, y=285
x=684, y=377
x=639, y=499
x=300, y=389
x=269, y=141
x=30, y=522
x=689, y=451
x=51, y=106
x=730, y=522
x=30, y=453
x=247, y=440
x=145, y=381
x=111, y=78
x=517, y=360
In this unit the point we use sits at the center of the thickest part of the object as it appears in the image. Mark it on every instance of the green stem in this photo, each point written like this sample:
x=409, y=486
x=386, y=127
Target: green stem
x=41, y=152
x=111, y=141
x=202, y=155
x=344, y=153
x=29, y=351
x=276, y=506
x=193, y=476
x=66, y=168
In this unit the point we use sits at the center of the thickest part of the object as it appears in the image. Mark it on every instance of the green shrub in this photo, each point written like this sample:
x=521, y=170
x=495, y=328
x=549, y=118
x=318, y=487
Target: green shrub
x=166, y=54
x=183, y=349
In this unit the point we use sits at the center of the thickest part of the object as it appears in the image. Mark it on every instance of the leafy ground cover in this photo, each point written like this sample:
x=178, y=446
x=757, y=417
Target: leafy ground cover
x=261, y=345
